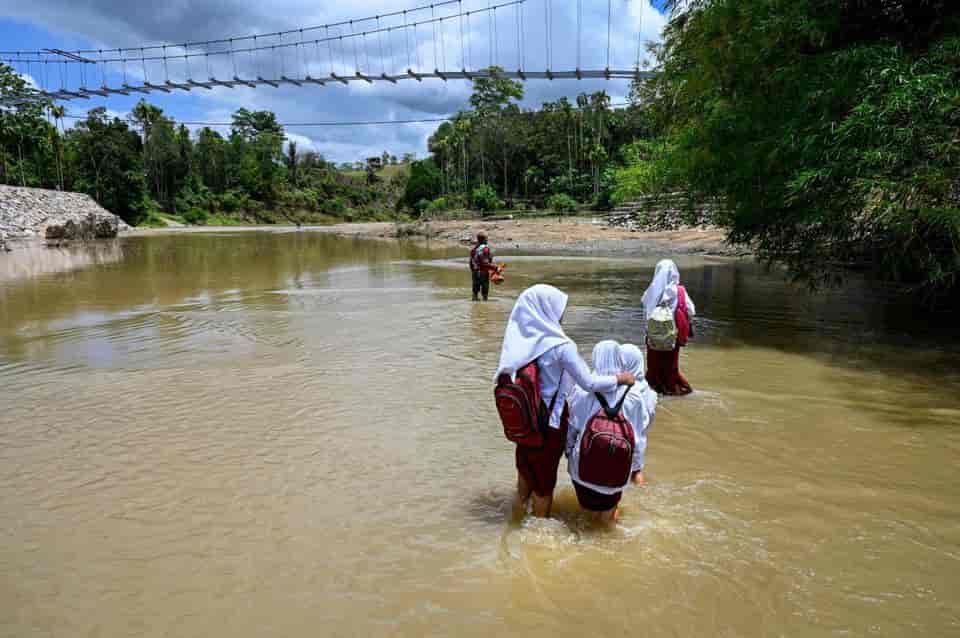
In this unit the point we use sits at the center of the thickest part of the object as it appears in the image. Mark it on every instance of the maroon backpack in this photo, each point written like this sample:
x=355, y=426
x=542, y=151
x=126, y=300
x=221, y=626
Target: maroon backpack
x=521, y=408
x=606, y=448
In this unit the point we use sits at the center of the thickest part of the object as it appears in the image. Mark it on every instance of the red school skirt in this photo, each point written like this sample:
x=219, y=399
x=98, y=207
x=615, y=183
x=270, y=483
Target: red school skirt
x=663, y=372
x=538, y=466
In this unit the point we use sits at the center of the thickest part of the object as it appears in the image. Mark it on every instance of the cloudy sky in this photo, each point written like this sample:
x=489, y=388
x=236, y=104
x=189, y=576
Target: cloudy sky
x=103, y=24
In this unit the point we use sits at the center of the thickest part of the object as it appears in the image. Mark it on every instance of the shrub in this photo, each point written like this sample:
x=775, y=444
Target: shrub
x=195, y=216
x=439, y=204
x=420, y=206
x=485, y=198
x=562, y=203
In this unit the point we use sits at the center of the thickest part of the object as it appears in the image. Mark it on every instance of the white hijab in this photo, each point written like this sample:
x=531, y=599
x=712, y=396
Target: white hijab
x=533, y=327
x=632, y=360
x=663, y=288
x=606, y=361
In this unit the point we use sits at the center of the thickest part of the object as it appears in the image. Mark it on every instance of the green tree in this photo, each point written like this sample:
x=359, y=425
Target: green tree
x=107, y=159
x=423, y=184
x=827, y=129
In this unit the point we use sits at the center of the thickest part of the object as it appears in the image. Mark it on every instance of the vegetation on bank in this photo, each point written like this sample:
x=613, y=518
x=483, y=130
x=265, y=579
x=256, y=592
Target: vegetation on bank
x=829, y=131
x=148, y=166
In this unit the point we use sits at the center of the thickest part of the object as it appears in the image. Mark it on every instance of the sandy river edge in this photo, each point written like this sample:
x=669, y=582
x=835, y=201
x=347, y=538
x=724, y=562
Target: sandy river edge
x=578, y=235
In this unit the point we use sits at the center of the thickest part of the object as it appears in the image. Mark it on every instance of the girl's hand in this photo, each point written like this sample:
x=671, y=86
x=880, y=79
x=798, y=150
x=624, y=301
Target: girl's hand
x=626, y=378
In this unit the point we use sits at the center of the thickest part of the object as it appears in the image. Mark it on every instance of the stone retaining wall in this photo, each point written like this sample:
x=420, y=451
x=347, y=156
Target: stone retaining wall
x=667, y=211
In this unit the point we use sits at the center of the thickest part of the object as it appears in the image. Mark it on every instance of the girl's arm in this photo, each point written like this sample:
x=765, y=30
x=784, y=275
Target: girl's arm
x=583, y=377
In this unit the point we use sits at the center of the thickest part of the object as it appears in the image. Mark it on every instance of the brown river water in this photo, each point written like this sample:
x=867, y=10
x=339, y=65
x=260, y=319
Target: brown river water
x=290, y=434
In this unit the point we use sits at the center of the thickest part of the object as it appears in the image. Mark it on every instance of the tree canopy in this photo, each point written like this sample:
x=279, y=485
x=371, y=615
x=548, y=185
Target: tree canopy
x=829, y=130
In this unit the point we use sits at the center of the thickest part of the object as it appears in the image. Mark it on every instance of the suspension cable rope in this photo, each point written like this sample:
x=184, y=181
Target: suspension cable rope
x=463, y=63
x=516, y=16
x=609, y=19
x=580, y=28
x=523, y=40
x=469, y=65
x=366, y=53
x=186, y=63
x=383, y=64
x=390, y=52
x=433, y=35
x=639, y=36
x=304, y=71
x=329, y=49
x=496, y=38
x=202, y=43
x=546, y=30
x=406, y=39
x=416, y=46
x=256, y=39
x=490, y=30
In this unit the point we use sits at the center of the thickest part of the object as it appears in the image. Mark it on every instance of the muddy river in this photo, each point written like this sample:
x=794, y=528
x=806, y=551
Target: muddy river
x=290, y=434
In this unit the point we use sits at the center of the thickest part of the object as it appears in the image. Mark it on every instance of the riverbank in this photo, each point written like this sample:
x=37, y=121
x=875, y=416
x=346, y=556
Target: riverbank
x=539, y=235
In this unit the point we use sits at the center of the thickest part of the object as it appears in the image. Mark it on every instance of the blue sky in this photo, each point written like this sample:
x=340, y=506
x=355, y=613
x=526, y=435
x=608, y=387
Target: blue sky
x=95, y=24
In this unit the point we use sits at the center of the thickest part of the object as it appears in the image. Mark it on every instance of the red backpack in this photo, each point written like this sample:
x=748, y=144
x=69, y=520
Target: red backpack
x=606, y=448
x=521, y=407
x=684, y=326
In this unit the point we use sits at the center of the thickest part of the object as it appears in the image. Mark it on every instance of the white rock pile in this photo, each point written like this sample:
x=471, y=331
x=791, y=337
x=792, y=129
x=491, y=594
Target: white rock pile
x=35, y=212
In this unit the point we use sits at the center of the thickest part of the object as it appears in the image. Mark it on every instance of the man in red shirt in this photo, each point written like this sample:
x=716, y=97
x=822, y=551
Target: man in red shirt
x=481, y=266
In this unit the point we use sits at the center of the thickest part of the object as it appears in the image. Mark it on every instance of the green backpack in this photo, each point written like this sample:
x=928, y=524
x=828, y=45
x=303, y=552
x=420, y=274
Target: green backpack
x=662, y=329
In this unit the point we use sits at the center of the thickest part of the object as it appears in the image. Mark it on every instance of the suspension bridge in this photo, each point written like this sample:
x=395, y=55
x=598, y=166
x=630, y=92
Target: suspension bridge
x=446, y=41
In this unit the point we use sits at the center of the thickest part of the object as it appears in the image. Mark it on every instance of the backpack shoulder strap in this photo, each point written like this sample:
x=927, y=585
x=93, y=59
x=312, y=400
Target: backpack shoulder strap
x=615, y=410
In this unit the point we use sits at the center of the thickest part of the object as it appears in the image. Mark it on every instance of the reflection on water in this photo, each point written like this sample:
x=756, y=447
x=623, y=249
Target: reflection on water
x=291, y=434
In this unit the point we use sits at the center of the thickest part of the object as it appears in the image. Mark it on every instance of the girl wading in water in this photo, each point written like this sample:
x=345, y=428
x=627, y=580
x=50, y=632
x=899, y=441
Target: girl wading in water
x=539, y=366
x=666, y=302
x=607, y=438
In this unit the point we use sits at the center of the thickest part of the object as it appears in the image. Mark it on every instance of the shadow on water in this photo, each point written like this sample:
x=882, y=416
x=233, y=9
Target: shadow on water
x=859, y=325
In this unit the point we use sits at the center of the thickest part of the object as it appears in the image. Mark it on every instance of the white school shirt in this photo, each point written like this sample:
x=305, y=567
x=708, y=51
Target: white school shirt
x=576, y=372
x=639, y=409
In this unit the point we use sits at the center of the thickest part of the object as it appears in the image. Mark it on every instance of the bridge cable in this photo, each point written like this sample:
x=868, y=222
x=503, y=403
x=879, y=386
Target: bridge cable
x=639, y=36
x=366, y=53
x=406, y=39
x=546, y=32
x=304, y=69
x=443, y=47
x=523, y=39
x=490, y=36
x=393, y=64
x=580, y=29
x=383, y=61
x=469, y=56
x=463, y=63
x=433, y=35
x=609, y=4
x=516, y=17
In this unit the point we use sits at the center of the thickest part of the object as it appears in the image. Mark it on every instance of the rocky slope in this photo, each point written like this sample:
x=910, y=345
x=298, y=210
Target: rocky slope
x=35, y=212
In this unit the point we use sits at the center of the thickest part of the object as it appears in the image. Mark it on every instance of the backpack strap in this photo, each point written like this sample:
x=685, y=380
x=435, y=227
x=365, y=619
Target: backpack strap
x=615, y=410
x=553, y=401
